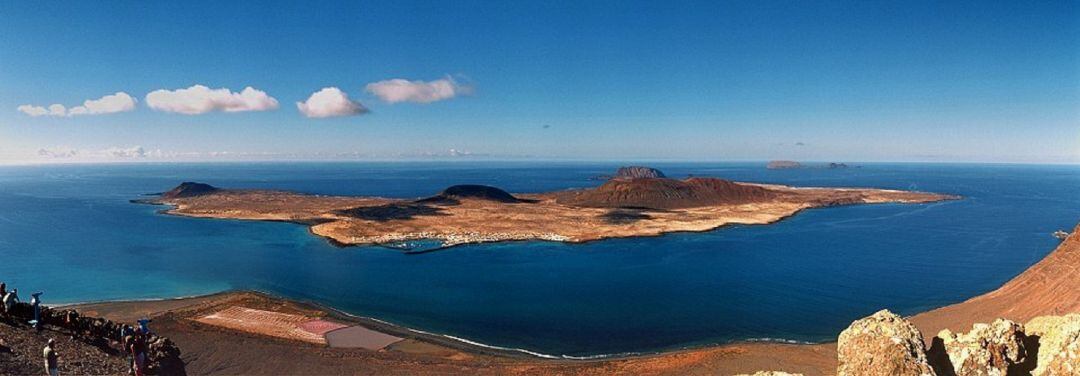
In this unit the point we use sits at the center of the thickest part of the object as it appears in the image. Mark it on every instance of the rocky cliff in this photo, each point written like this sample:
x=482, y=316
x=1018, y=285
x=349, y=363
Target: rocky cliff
x=1059, y=344
x=886, y=344
x=882, y=344
x=1051, y=286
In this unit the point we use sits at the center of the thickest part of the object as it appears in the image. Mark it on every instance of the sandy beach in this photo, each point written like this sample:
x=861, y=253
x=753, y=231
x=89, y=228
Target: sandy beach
x=211, y=349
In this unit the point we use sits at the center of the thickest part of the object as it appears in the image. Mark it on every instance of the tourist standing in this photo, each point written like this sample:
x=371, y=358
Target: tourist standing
x=51, y=365
x=138, y=352
x=10, y=299
x=127, y=337
x=71, y=319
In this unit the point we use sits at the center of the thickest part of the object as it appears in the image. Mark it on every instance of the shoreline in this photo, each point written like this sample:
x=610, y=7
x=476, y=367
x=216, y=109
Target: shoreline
x=418, y=351
x=459, y=343
x=1019, y=299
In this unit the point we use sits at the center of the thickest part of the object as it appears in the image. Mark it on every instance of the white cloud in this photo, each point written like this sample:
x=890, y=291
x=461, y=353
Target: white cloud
x=33, y=111
x=131, y=152
x=200, y=99
x=401, y=90
x=57, y=152
x=119, y=102
x=57, y=110
x=330, y=102
x=110, y=153
x=113, y=103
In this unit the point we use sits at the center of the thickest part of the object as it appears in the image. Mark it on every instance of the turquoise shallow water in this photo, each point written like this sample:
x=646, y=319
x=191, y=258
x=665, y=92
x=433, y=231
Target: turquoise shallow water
x=70, y=231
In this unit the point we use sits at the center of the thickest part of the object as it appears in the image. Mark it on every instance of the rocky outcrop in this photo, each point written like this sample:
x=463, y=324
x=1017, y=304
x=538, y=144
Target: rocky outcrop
x=471, y=191
x=987, y=350
x=779, y=165
x=163, y=356
x=883, y=344
x=1059, y=344
x=189, y=189
x=637, y=172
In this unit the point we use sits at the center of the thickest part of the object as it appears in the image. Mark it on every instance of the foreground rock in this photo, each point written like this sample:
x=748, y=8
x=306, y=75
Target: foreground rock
x=1059, y=344
x=883, y=344
x=987, y=350
x=886, y=344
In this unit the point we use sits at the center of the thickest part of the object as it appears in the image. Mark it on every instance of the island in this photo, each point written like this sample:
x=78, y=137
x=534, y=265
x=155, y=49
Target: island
x=625, y=206
x=782, y=165
x=793, y=165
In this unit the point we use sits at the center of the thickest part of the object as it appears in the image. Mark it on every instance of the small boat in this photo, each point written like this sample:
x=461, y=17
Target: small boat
x=1061, y=234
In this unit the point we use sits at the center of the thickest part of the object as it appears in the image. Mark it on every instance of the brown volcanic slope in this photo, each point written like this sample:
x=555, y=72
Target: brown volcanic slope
x=476, y=214
x=661, y=193
x=471, y=191
x=1050, y=287
x=189, y=189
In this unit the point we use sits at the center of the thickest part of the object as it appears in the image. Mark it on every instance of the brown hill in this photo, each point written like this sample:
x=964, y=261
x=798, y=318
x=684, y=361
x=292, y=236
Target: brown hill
x=472, y=191
x=661, y=193
x=1051, y=286
x=189, y=189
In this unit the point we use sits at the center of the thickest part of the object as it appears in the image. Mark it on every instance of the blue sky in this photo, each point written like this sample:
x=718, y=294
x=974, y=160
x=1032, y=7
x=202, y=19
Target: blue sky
x=620, y=80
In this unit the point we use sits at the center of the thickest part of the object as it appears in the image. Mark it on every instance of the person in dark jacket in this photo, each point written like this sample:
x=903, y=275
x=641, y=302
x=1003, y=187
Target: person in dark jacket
x=127, y=338
x=138, y=352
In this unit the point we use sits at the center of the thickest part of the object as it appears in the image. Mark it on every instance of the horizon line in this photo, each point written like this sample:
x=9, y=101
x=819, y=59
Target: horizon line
x=522, y=160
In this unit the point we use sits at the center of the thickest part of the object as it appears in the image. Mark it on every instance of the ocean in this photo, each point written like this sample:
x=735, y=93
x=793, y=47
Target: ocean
x=70, y=231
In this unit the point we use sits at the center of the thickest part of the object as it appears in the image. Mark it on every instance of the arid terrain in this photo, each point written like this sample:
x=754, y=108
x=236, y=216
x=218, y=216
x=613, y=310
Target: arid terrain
x=621, y=207
x=213, y=349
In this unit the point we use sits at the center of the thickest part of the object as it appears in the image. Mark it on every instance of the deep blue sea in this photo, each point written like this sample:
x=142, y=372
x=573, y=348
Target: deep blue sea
x=70, y=231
